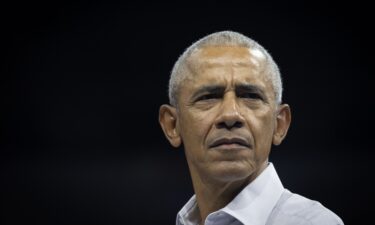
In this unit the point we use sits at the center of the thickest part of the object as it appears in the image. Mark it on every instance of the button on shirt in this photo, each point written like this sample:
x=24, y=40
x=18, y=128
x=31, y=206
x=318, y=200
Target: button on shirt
x=263, y=202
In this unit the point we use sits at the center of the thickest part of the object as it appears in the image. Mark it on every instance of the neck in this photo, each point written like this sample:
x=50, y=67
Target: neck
x=212, y=195
x=211, y=198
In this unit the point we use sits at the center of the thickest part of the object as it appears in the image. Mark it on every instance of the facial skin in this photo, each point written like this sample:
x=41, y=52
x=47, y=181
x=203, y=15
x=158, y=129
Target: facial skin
x=227, y=118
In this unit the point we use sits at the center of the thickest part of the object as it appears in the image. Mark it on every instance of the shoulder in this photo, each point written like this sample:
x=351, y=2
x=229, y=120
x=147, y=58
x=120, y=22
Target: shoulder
x=296, y=209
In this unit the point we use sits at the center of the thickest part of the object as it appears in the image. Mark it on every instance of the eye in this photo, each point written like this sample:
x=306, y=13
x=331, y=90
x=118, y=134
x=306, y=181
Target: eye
x=208, y=97
x=250, y=95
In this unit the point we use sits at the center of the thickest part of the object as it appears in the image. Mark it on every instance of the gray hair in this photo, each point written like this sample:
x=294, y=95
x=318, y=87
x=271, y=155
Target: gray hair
x=223, y=38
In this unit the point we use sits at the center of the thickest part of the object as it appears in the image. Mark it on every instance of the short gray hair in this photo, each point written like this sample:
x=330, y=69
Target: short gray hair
x=223, y=38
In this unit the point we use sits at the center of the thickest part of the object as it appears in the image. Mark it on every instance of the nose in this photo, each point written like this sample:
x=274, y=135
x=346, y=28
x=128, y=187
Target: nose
x=229, y=116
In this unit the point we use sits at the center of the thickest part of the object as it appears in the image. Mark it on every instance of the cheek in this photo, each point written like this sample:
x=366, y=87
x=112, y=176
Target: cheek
x=193, y=132
x=197, y=118
x=262, y=128
x=194, y=126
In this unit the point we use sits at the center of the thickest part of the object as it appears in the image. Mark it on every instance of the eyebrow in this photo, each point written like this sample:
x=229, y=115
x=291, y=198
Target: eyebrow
x=208, y=89
x=239, y=88
x=249, y=88
x=252, y=89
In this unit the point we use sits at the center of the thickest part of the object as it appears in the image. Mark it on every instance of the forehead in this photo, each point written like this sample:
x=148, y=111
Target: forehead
x=226, y=62
x=218, y=54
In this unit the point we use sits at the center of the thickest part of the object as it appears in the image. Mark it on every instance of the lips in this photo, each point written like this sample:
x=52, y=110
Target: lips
x=230, y=141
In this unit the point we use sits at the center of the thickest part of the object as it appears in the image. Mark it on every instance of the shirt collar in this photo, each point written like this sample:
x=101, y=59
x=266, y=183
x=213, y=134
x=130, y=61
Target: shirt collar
x=252, y=205
x=189, y=214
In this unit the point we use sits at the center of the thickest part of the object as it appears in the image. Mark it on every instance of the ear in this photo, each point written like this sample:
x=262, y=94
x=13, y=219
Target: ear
x=169, y=124
x=283, y=119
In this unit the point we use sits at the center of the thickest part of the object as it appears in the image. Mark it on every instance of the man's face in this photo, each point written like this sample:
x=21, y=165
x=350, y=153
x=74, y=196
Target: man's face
x=226, y=113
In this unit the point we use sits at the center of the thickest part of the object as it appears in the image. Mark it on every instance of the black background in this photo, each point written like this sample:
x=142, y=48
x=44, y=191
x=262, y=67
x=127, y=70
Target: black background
x=82, y=82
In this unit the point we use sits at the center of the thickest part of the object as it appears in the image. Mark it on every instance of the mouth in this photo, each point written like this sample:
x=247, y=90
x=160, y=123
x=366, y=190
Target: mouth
x=230, y=143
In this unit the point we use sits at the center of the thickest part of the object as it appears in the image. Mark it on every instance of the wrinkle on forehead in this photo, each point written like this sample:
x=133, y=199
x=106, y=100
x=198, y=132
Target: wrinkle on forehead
x=224, y=56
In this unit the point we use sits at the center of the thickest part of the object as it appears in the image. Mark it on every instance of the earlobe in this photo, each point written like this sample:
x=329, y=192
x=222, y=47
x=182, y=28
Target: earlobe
x=169, y=124
x=283, y=119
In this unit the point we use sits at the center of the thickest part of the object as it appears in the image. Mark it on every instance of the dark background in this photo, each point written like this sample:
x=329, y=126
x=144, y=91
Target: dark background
x=81, y=85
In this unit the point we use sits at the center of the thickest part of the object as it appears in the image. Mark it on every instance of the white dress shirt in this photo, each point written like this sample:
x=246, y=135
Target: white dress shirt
x=263, y=202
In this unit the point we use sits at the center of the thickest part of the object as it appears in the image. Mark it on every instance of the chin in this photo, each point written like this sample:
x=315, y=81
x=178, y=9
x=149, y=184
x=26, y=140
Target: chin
x=228, y=171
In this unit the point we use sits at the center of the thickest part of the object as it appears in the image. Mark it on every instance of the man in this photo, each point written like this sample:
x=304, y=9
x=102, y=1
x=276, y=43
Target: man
x=225, y=108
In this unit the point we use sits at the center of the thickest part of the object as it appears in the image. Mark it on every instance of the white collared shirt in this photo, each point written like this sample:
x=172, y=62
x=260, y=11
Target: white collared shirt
x=263, y=202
